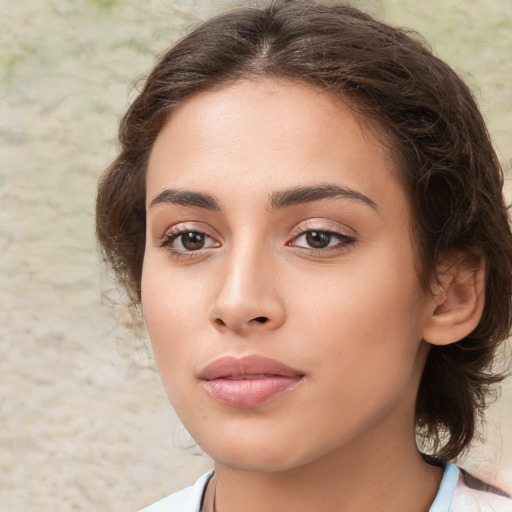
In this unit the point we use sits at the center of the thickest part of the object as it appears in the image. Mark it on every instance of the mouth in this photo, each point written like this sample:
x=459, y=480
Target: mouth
x=249, y=381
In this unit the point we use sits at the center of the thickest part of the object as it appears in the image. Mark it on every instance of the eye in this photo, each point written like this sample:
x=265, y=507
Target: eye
x=318, y=240
x=191, y=241
x=183, y=241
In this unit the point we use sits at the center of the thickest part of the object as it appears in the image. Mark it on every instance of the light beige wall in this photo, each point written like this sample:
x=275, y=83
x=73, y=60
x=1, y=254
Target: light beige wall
x=84, y=423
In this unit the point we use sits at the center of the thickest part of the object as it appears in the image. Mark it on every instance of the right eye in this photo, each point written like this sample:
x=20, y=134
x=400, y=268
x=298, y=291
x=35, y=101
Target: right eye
x=186, y=241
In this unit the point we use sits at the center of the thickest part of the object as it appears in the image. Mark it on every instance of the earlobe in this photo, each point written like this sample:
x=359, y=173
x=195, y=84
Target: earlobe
x=457, y=305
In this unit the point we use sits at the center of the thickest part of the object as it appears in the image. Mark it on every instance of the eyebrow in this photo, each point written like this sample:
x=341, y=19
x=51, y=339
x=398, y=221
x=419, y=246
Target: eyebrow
x=186, y=198
x=301, y=195
x=277, y=200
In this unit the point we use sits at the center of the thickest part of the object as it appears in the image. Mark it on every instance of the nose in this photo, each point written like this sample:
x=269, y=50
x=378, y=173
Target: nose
x=248, y=298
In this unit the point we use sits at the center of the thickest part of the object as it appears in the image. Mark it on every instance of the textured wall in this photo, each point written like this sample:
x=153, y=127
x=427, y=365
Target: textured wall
x=84, y=423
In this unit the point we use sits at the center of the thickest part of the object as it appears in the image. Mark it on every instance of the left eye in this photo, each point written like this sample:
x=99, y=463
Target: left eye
x=316, y=239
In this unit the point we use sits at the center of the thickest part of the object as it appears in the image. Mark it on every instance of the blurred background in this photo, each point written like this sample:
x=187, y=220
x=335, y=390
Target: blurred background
x=85, y=424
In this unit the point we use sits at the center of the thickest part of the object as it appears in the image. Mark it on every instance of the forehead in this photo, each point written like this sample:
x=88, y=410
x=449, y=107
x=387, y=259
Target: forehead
x=268, y=134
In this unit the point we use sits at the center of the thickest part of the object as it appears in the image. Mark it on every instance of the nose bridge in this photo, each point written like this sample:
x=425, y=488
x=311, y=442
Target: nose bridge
x=248, y=294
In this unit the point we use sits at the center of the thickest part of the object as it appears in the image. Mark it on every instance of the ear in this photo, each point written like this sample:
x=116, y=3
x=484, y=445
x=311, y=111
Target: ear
x=457, y=303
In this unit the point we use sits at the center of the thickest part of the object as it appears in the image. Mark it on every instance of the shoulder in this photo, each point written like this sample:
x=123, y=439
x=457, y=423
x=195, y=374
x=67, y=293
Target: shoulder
x=186, y=500
x=461, y=492
x=472, y=494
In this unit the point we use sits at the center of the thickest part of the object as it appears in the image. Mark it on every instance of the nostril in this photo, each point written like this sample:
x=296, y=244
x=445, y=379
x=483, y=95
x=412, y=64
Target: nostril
x=220, y=321
x=261, y=319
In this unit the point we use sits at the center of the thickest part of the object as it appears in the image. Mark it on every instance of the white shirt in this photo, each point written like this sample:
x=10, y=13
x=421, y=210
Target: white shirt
x=456, y=494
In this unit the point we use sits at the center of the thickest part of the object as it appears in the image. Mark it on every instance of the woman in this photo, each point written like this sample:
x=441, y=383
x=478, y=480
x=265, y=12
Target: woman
x=308, y=207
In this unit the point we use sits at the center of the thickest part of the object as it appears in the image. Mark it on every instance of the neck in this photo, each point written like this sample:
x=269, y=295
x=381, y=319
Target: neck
x=370, y=475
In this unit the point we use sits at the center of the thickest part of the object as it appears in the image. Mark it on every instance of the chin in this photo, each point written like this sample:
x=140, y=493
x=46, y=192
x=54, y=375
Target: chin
x=257, y=463
x=260, y=454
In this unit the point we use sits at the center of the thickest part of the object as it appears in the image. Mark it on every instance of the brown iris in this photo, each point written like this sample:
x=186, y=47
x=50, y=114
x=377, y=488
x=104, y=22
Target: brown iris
x=192, y=241
x=318, y=239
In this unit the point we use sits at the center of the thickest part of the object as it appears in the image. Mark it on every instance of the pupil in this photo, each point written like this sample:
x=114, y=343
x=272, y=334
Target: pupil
x=193, y=241
x=318, y=239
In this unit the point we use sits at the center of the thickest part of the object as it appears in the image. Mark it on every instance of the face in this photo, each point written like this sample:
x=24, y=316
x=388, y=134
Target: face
x=279, y=288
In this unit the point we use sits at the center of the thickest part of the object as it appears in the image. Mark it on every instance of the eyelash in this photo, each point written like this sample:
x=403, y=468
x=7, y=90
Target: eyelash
x=344, y=241
x=173, y=234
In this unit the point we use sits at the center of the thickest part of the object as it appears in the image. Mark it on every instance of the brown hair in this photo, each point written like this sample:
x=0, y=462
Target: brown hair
x=434, y=130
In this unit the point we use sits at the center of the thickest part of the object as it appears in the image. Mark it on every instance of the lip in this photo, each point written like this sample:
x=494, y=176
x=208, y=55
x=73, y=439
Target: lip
x=248, y=381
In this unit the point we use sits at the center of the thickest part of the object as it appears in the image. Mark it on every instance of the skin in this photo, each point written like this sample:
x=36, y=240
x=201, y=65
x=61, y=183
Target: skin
x=350, y=316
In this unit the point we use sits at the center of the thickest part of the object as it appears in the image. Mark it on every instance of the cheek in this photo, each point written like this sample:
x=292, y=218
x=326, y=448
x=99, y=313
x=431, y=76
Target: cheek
x=171, y=338
x=168, y=308
x=169, y=298
x=372, y=335
x=370, y=315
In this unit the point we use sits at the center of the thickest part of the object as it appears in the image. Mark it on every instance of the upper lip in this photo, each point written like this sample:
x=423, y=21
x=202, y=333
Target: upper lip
x=230, y=366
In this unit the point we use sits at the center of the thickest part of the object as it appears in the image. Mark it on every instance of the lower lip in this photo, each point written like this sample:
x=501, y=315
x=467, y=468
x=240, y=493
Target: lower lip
x=249, y=392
